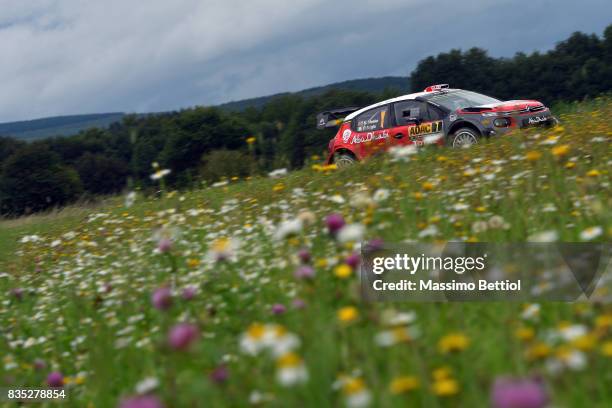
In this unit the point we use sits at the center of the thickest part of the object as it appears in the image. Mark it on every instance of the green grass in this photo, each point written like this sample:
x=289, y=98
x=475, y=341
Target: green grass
x=107, y=339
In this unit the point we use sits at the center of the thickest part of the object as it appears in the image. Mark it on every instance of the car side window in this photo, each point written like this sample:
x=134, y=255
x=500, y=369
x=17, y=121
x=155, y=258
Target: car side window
x=373, y=119
x=409, y=109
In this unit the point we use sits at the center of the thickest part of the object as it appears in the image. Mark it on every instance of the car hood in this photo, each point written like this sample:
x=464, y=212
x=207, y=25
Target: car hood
x=517, y=106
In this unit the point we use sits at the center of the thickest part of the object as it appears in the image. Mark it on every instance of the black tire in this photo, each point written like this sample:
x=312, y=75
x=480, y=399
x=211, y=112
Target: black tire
x=463, y=137
x=344, y=160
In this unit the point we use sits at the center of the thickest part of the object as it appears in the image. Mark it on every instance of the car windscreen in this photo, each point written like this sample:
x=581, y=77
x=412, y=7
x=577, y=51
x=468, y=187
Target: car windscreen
x=460, y=99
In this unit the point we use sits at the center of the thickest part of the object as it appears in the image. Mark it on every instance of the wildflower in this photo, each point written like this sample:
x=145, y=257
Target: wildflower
x=130, y=199
x=524, y=333
x=223, y=249
x=142, y=401
x=544, y=236
x=445, y=387
x=334, y=223
x=307, y=217
x=479, y=227
x=165, y=238
x=497, y=222
x=380, y=195
x=251, y=139
x=182, y=335
x=304, y=255
x=353, y=260
x=288, y=228
x=162, y=298
x=351, y=233
x=164, y=245
x=219, y=375
x=17, y=293
x=391, y=317
x=360, y=200
x=278, y=173
x=538, y=351
x=304, y=272
x=147, y=385
x=39, y=364
x=189, y=292
x=518, y=393
x=530, y=311
x=453, y=342
x=560, y=151
x=606, y=349
x=343, y=271
x=291, y=370
x=397, y=335
x=402, y=153
x=427, y=186
x=430, y=231
x=348, y=314
x=533, y=155
x=278, y=309
x=401, y=385
x=160, y=174
x=593, y=173
x=591, y=233
x=298, y=304
x=55, y=379
x=356, y=393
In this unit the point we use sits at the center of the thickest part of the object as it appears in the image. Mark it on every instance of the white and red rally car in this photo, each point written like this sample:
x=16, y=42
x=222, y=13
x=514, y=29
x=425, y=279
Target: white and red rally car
x=438, y=115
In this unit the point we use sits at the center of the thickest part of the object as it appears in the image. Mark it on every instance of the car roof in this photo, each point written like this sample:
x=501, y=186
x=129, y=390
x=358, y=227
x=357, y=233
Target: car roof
x=396, y=99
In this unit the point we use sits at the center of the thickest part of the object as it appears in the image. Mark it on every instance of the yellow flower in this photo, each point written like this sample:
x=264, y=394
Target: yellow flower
x=343, y=271
x=193, y=262
x=560, y=151
x=348, y=314
x=441, y=158
x=538, y=351
x=445, y=388
x=603, y=321
x=453, y=342
x=278, y=187
x=427, y=186
x=585, y=343
x=606, y=349
x=593, y=173
x=417, y=195
x=533, y=155
x=570, y=165
x=289, y=360
x=400, y=385
x=251, y=140
x=441, y=373
x=524, y=333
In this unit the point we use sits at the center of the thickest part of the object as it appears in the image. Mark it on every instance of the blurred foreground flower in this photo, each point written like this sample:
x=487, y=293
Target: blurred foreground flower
x=355, y=392
x=518, y=393
x=291, y=370
x=162, y=298
x=182, y=335
x=142, y=401
x=453, y=342
x=55, y=379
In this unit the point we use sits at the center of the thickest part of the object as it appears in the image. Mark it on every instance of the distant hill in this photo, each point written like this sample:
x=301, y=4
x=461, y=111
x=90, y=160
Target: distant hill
x=365, y=85
x=73, y=124
x=57, y=125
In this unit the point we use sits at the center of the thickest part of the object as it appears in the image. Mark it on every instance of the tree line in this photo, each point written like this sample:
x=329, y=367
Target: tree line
x=209, y=143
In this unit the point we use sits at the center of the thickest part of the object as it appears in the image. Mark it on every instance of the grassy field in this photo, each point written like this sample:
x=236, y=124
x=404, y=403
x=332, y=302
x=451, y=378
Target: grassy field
x=237, y=295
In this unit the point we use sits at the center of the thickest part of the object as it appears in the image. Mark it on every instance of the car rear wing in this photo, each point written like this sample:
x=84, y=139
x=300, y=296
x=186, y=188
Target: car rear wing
x=333, y=118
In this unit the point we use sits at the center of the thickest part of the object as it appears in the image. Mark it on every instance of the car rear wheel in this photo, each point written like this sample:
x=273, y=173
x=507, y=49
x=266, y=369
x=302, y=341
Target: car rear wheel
x=344, y=160
x=463, y=137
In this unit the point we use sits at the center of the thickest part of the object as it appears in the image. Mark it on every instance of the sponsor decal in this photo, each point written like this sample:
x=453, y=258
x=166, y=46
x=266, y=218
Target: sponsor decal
x=425, y=128
x=536, y=119
x=346, y=135
x=370, y=137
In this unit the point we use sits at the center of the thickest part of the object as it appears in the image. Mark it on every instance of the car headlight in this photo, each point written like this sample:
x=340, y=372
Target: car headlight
x=501, y=122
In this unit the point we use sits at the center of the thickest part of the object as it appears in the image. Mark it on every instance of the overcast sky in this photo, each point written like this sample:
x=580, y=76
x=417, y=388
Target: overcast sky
x=60, y=57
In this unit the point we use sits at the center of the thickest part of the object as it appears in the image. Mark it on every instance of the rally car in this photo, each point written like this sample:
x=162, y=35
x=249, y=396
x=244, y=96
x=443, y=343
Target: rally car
x=438, y=115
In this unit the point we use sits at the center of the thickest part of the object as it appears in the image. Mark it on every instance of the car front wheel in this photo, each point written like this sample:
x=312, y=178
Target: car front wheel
x=344, y=160
x=463, y=137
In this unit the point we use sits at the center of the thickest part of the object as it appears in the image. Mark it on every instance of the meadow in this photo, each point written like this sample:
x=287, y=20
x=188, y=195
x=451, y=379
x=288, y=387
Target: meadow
x=246, y=292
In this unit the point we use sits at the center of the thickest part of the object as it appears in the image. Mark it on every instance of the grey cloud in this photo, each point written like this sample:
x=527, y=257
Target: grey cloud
x=69, y=56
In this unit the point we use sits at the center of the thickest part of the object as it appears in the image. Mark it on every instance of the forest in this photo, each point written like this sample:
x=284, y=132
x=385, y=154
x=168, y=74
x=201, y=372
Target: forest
x=207, y=144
